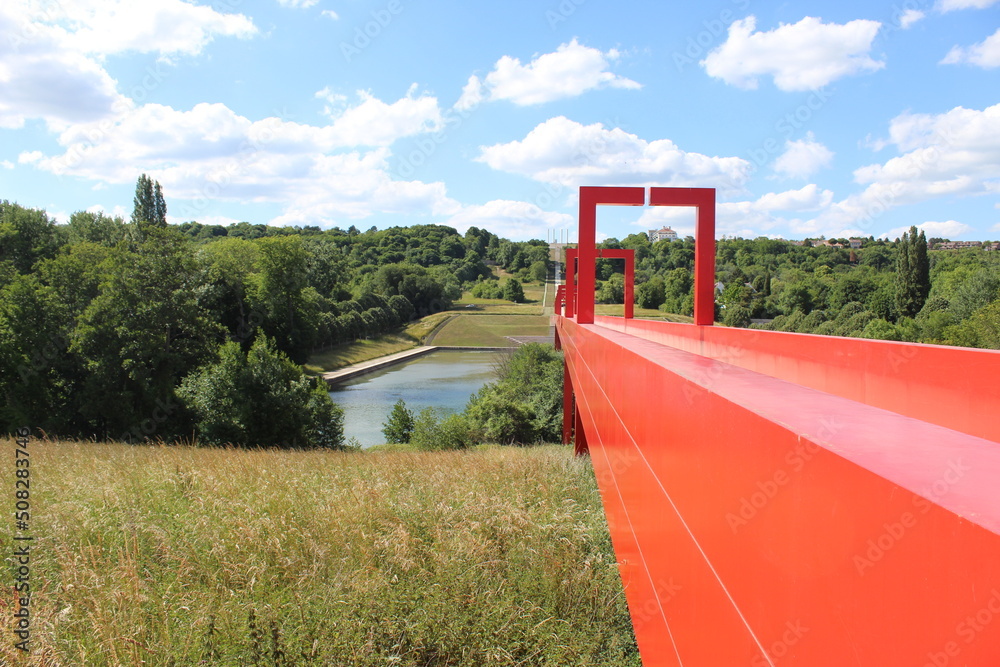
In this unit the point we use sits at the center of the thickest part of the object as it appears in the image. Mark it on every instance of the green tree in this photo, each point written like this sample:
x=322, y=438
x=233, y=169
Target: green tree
x=612, y=290
x=398, y=428
x=261, y=399
x=141, y=334
x=148, y=204
x=650, y=294
x=912, y=273
x=512, y=290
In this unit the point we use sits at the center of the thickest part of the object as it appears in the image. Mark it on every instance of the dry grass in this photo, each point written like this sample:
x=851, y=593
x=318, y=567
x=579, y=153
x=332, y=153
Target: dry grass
x=185, y=556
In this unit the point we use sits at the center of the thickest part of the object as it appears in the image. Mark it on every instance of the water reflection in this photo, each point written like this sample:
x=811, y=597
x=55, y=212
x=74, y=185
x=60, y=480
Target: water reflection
x=444, y=380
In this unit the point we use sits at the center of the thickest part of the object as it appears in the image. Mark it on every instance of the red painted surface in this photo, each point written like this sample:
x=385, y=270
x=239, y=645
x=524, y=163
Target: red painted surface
x=703, y=199
x=605, y=253
x=948, y=386
x=762, y=522
x=787, y=499
x=590, y=199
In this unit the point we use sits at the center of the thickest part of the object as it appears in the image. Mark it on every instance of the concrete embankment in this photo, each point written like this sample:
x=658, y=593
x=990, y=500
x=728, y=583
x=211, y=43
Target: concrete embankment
x=333, y=377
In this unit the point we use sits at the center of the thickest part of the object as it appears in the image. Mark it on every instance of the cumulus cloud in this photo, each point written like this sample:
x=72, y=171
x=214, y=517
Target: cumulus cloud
x=571, y=70
x=330, y=14
x=7, y=164
x=986, y=54
x=375, y=123
x=50, y=59
x=803, y=158
x=210, y=152
x=946, y=230
x=953, y=153
x=510, y=219
x=801, y=56
x=567, y=153
x=298, y=4
x=909, y=17
x=952, y=5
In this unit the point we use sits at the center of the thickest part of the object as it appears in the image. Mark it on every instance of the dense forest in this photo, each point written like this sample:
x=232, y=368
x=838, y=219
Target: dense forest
x=890, y=290
x=142, y=330
x=139, y=330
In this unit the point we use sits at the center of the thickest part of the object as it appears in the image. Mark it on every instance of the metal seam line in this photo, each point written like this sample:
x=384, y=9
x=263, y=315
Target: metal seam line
x=645, y=567
x=683, y=522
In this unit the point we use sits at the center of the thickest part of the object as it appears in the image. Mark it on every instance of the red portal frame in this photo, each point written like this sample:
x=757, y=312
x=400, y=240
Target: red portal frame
x=603, y=253
x=702, y=199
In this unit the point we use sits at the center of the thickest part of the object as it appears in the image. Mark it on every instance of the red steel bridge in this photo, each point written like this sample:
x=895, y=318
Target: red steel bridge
x=779, y=498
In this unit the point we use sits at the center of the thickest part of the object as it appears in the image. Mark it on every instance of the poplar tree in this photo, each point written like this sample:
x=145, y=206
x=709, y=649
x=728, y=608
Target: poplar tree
x=913, y=282
x=148, y=204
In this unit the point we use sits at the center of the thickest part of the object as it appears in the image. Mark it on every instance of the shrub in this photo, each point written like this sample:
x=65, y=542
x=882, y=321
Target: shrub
x=261, y=399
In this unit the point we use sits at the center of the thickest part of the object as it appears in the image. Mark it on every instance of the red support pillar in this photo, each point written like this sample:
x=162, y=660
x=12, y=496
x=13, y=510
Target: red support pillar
x=703, y=199
x=567, y=434
x=590, y=198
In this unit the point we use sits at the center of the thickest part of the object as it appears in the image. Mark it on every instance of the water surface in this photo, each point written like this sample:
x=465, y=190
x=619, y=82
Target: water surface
x=445, y=380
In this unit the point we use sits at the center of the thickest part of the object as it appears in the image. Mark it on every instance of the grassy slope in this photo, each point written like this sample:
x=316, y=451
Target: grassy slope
x=490, y=330
x=179, y=555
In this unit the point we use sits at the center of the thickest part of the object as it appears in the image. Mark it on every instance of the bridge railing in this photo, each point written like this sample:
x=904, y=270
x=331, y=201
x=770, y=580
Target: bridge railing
x=761, y=521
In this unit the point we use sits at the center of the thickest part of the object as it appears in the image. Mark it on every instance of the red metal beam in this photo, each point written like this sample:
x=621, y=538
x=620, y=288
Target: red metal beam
x=761, y=522
x=590, y=199
x=703, y=199
x=605, y=253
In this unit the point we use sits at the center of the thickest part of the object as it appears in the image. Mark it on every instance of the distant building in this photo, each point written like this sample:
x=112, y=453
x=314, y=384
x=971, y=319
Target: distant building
x=662, y=234
x=855, y=243
x=955, y=245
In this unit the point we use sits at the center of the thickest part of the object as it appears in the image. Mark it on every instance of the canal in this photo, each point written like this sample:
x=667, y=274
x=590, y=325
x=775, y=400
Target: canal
x=444, y=380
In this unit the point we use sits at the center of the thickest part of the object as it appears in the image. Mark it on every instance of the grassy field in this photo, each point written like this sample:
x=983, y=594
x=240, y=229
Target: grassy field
x=490, y=330
x=186, y=556
x=645, y=313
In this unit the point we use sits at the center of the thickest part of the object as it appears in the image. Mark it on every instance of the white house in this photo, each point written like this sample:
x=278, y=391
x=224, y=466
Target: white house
x=662, y=234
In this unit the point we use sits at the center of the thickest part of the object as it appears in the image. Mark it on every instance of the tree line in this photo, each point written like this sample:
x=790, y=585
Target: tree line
x=137, y=329
x=886, y=289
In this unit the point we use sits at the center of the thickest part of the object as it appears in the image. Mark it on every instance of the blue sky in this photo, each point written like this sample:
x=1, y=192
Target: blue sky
x=809, y=118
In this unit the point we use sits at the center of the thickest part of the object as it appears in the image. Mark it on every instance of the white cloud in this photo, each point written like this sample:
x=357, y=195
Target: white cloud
x=564, y=152
x=986, y=54
x=50, y=59
x=472, y=94
x=571, y=70
x=7, y=164
x=375, y=123
x=954, y=153
x=809, y=198
x=330, y=14
x=298, y=4
x=951, y=5
x=802, y=56
x=945, y=230
x=909, y=17
x=803, y=158
x=163, y=26
x=209, y=153
x=510, y=219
